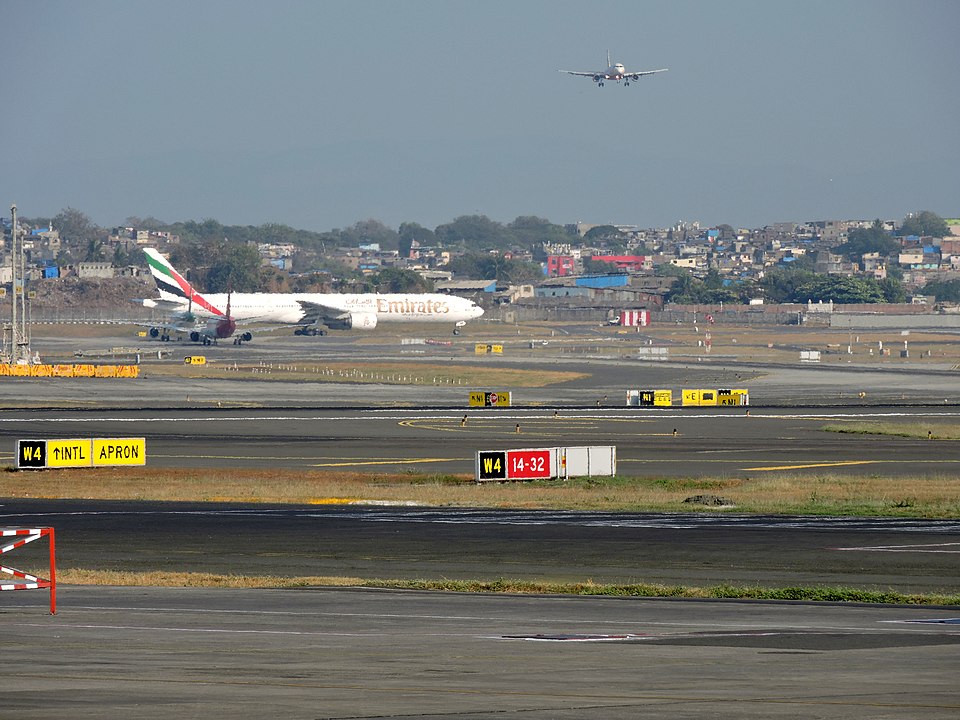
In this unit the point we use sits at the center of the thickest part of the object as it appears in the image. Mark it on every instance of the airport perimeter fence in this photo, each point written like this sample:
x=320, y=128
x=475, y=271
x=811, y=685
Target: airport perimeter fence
x=684, y=315
x=90, y=316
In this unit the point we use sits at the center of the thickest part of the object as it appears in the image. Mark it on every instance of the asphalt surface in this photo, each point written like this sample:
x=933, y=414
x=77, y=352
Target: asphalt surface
x=700, y=550
x=677, y=442
x=333, y=653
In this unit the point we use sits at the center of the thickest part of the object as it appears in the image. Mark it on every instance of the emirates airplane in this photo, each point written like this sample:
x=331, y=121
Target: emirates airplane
x=614, y=71
x=215, y=316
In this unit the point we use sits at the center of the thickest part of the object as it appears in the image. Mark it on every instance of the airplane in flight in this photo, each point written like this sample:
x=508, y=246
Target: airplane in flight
x=201, y=318
x=614, y=71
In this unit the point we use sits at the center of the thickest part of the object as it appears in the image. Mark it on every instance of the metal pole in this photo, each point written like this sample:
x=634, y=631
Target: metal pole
x=24, y=337
x=53, y=574
x=14, y=353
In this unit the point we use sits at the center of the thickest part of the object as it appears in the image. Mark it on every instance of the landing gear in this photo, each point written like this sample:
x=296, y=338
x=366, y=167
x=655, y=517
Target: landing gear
x=312, y=331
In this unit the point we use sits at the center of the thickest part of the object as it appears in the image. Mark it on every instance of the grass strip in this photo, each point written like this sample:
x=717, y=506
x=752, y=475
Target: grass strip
x=928, y=431
x=382, y=373
x=79, y=576
x=820, y=493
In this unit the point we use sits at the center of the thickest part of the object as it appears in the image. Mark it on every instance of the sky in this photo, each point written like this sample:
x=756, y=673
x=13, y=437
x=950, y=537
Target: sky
x=320, y=114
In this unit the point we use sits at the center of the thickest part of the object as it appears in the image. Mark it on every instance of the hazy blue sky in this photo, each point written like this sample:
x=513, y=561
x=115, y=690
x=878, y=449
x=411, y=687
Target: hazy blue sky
x=320, y=114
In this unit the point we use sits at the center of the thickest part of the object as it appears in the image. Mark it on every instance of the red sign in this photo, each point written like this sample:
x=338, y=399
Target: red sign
x=528, y=464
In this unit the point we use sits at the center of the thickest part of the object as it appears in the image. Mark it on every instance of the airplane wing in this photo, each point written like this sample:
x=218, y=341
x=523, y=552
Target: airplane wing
x=584, y=74
x=177, y=327
x=317, y=313
x=641, y=73
x=167, y=306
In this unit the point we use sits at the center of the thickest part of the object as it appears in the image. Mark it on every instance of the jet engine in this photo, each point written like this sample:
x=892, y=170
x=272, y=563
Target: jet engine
x=353, y=321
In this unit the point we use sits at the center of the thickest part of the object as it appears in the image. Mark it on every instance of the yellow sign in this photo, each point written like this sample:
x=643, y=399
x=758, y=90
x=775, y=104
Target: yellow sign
x=119, y=451
x=489, y=399
x=69, y=453
x=195, y=360
x=699, y=397
x=481, y=349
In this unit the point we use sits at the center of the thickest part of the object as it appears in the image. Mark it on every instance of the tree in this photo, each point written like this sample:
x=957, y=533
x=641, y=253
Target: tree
x=839, y=289
x=396, y=280
x=236, y=268
x=76, y=228
x=476, y=232
x=867, y=240
x=943, y=290
x=367, y=232
x=608, y=237
x=410, y=232
x=533, y=233
x=923, y=223
x=893, y=291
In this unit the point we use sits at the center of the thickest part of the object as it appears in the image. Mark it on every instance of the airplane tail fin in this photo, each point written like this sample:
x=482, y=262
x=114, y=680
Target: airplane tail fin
x=173, y=287
x=608, y=59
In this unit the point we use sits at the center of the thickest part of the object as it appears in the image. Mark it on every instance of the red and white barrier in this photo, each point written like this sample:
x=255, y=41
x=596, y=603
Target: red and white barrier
x=634, y=318
x=28, y=535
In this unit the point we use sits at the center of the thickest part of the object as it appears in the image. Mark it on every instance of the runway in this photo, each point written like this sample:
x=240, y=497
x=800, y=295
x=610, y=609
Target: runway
x=333, y=653
x=674, y=442
x=689, y=549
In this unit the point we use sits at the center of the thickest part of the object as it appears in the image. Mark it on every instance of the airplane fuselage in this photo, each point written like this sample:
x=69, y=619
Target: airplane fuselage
x=291, y=307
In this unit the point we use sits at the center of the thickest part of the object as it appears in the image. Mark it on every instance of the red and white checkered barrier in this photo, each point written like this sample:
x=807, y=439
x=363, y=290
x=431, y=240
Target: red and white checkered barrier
x=28, y=535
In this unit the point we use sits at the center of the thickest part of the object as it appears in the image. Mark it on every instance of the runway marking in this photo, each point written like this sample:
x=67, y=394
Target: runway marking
x=907, y=548
x=389, y=461
x=811, y=465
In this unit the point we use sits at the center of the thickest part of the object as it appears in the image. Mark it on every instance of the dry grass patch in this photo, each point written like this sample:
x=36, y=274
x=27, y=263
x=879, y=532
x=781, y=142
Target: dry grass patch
x=80, y=576
x=930, y=430
x=467, y=375
x=935, y=496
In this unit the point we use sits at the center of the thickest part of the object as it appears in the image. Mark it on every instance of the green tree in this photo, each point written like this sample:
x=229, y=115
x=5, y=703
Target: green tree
x=236, y=268
x=867, y=240
x=77, y=229
x=410, y=232
x=943, y=290
x=367, y=232
x=839, y=289
x=397, y=280
x=893, y=290
x=780, y=284
x=533, y=233
x=476, y=232
x=924, y=222
x=607, y=236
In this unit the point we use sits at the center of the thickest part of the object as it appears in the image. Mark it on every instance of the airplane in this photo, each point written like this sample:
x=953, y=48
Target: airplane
x=614, y=71
x=312, y=313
